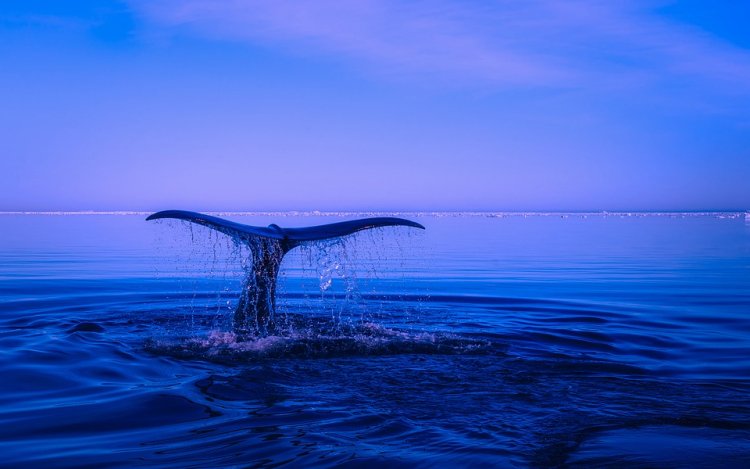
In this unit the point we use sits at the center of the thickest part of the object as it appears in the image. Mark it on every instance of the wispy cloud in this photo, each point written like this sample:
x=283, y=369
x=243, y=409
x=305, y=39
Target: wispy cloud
x=505, y=42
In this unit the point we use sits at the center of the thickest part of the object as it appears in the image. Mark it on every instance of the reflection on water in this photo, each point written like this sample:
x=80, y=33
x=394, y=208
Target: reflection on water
x=516, y=341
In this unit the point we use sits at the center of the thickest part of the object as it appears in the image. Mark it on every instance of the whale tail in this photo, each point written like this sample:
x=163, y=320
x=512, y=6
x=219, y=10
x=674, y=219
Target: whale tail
x=268, y=245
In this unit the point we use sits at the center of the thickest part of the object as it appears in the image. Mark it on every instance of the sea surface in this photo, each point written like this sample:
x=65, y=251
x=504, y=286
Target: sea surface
x=485, y=341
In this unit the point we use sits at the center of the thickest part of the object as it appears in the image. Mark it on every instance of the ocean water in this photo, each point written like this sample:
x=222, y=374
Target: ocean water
x=514, y=340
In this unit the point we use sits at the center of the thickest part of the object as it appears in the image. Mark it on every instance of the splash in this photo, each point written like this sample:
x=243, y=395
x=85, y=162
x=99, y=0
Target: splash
x=333, y=297
x=367, y=340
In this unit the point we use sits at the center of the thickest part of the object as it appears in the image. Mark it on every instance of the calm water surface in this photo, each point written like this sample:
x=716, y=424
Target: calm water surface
x=520, y=341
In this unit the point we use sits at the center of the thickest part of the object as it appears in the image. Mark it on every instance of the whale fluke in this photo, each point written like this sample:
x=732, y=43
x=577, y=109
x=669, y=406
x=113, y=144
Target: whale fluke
x=268, y=246
x=310, y=233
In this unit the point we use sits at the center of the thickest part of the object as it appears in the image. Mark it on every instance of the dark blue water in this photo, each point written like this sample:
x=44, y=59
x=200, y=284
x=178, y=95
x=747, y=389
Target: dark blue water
x=518, y=341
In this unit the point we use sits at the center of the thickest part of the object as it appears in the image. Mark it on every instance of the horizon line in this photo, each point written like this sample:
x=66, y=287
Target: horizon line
x=422, y=213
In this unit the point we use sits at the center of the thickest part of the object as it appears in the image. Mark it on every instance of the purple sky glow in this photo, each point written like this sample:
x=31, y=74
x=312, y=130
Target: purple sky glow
x=374, y=105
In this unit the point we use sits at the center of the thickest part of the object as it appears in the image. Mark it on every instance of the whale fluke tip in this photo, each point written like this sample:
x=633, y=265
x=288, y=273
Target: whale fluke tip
x=167, y=214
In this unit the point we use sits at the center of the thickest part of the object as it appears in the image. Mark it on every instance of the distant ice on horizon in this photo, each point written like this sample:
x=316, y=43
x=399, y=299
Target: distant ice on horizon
x=436, y=214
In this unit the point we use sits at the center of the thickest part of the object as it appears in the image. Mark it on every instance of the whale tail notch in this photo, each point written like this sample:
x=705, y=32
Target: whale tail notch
x=268, y=245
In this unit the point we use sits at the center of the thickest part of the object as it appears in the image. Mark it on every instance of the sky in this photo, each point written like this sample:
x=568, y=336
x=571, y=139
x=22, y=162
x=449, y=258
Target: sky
x=374, y=105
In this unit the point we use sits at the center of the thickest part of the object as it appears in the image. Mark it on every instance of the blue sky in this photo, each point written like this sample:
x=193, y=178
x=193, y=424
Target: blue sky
x=374, y=105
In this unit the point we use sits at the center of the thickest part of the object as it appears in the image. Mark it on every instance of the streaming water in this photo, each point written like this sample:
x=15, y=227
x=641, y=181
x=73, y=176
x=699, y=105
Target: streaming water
x=513, y=341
